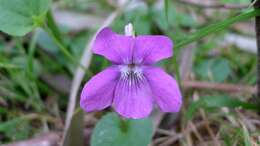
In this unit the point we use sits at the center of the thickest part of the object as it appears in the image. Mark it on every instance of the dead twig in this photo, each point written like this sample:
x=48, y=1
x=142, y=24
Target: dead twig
x=213, y=6
x=159, y=140
x=177, y=136
x=207, y=126
x=219, y=86
x=164, y=132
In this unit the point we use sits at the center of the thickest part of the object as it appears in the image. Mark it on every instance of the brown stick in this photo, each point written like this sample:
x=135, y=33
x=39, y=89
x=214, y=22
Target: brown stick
x=257, y=29
x=215, y=6
x=219, y=86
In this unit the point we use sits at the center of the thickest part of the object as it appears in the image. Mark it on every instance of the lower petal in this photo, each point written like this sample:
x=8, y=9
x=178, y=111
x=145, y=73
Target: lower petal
x=165, y=89
x=97, y=93
x=133, y=99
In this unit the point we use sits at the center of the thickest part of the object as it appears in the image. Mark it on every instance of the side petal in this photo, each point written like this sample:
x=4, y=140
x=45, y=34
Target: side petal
x=165, y=89
x=116, y=48
x=133, y=100
x=98, y=92
x=150, y=49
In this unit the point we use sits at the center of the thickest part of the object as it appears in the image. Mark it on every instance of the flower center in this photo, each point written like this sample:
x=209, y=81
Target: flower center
x=131, y=73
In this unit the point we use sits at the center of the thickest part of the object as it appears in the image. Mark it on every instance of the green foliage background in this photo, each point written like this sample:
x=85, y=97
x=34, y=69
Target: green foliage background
x=38, y=58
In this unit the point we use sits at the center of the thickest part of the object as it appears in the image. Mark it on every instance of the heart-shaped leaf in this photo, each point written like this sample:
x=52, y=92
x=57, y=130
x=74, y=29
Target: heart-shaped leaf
x=113, y=131
x=216, y=69
x=18, y=17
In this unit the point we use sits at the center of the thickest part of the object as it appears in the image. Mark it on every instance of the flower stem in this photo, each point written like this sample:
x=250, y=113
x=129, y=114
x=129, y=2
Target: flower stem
x=52, y=29
x=55, y=29
x=124, y=125
x=32, y=47
x=176, y=69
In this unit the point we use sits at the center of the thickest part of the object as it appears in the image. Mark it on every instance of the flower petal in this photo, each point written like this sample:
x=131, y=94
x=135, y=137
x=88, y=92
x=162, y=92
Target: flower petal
x=150, y=49
x=133, y=100
x=116, y=48
x=97, y=93
x=165, y=89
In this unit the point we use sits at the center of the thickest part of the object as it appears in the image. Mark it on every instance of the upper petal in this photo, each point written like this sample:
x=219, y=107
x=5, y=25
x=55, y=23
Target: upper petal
x=97, y=93
x=165, y=89
x=133, y=100
x=152, y=48
x=116, y=48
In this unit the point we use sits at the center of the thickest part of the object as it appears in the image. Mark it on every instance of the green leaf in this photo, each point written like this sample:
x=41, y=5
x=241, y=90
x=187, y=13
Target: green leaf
x=113, y=131
x=221, y=69
x=74, y=135
x=21, y=62
x=217, y=69
x=8, y=66
x=246, y=136
x=166, y=7
x=216, y=27
x=217, y=102
x=17, y=128
x=2, y=109
x=19, y=17
x=46, y=43
x=175, y=19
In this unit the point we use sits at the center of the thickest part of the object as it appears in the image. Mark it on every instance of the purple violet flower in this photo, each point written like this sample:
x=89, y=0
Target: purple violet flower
x=132, y=84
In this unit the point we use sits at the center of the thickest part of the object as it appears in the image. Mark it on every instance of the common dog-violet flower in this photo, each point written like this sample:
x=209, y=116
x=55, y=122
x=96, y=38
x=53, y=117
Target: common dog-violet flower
x=132, y=84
